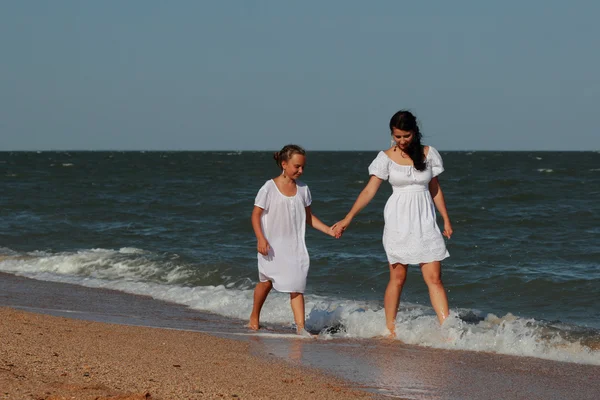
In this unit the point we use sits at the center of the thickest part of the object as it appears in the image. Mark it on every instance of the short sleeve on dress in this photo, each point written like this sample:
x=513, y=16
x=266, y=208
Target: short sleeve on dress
x=262, y=197
x=380, y=167
x=307, y=198
x=435, y=159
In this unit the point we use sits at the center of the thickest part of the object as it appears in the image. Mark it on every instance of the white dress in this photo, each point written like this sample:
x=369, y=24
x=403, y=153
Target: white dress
x=283, y=223
x=411, y=234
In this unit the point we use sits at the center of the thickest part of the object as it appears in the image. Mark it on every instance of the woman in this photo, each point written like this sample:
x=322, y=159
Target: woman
x=411, y=234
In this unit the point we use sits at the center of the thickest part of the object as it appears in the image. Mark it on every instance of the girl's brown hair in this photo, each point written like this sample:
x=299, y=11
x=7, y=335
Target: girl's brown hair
x=287, y=153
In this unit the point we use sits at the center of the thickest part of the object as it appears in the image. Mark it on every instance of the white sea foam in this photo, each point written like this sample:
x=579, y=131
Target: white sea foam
x=335, y=317
x=545, y=170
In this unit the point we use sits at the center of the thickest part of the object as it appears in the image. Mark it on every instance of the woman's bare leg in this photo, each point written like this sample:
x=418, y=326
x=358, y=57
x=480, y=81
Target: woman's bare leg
x=432, y=274
x=391, y=300
x=297, y=301
x=260, y=295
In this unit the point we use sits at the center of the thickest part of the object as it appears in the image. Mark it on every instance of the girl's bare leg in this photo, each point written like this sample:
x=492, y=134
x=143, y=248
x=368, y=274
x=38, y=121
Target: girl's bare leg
x=260, y=295
x=432, y=274
x=391, y=300
x=297, y=301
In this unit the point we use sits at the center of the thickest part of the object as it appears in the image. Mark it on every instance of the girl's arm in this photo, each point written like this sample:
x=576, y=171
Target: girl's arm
x=312, y=220
x=262, y=245
x=361, y=202
x=438, y=199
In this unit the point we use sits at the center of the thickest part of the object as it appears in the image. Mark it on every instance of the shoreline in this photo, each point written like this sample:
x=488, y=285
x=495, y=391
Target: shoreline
x=48, y=357
x=53, y=334
x=121, y=332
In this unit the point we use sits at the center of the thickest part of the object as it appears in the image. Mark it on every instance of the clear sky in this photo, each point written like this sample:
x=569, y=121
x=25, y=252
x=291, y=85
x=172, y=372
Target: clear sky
x=328, y=75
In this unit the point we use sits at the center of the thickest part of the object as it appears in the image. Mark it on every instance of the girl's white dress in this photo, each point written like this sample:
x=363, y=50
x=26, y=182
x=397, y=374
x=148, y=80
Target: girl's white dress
x=411, y=234
x=283, y=223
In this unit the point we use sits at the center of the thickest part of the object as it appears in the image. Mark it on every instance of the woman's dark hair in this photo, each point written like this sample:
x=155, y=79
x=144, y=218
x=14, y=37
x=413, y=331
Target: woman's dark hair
x=287, y=153
x=406, y=121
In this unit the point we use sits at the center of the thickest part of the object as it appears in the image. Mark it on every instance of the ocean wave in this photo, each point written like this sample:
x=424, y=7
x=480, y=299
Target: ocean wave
x=126, y=264
x=141, y=272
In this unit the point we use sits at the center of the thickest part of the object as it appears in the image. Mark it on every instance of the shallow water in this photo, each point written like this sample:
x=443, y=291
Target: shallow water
x=383, y=367
x=523, y=277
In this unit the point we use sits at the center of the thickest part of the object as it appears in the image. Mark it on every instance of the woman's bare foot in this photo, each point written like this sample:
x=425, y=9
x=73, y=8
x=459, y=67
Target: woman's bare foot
x=304, y=333
x=391, y=332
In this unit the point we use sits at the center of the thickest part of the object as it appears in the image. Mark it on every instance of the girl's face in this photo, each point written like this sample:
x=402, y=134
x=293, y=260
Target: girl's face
x=294, y=167
x=402, y=138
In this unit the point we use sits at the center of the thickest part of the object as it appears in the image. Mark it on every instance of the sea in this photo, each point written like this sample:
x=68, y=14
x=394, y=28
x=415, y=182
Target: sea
x=523, y=276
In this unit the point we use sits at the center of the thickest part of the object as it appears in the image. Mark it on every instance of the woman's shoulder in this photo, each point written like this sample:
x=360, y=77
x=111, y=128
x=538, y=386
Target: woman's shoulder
x=384, y=154
x=380, y=165
x=434, y=159
x=382, y=159
x=430, y=151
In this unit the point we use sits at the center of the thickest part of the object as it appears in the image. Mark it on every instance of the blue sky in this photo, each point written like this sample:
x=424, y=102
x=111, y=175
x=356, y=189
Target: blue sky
x=254, y=75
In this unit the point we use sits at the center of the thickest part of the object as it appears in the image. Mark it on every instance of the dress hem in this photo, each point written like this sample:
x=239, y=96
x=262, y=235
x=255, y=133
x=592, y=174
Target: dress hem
x=281, y=290
x=411, y=262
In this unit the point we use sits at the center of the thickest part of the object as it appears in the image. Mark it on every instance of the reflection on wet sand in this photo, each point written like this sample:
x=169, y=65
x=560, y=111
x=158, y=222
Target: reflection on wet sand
x=393, y=369
x=397, y=374
x=296, y=350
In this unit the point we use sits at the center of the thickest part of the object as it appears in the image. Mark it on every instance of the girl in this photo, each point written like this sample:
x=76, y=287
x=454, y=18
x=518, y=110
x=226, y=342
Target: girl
x=411, y=234
x=281, y=213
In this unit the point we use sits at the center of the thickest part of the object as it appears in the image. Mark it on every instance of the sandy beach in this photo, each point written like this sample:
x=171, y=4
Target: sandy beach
x=63, y=341
x=47, y=357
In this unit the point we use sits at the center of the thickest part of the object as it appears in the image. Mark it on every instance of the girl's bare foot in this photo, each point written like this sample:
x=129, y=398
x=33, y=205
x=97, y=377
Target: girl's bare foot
x=253, y=324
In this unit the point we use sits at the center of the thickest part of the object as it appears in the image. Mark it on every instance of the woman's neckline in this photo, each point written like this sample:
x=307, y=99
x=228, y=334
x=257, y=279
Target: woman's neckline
x=405, y=165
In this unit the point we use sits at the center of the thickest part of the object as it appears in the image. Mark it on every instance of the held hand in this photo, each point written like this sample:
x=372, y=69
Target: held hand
x=263, y=247
x=339, y=227
x=447, y=229
x=330, y=231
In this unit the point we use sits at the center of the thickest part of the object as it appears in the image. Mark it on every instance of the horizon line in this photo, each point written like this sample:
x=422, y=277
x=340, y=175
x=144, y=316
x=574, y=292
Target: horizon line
x=271, y=150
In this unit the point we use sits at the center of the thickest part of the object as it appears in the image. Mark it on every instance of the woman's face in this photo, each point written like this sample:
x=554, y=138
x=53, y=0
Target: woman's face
x=402, y=138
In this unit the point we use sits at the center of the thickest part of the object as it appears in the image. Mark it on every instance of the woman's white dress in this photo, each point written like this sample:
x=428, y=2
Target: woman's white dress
x=411, y=234
x=283, y=223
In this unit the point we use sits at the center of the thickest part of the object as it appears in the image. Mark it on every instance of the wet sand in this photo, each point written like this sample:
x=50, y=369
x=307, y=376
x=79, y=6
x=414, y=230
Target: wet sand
x=69, y=351
x=412, y=372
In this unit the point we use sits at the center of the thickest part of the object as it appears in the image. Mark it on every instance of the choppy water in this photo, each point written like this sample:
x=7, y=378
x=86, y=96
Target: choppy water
x=523, y=277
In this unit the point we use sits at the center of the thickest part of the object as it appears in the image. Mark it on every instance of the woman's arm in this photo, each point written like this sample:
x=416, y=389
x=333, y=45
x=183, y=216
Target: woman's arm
x=262, y=245
x=364, y=198
x=312, y=220
x=438, y=199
